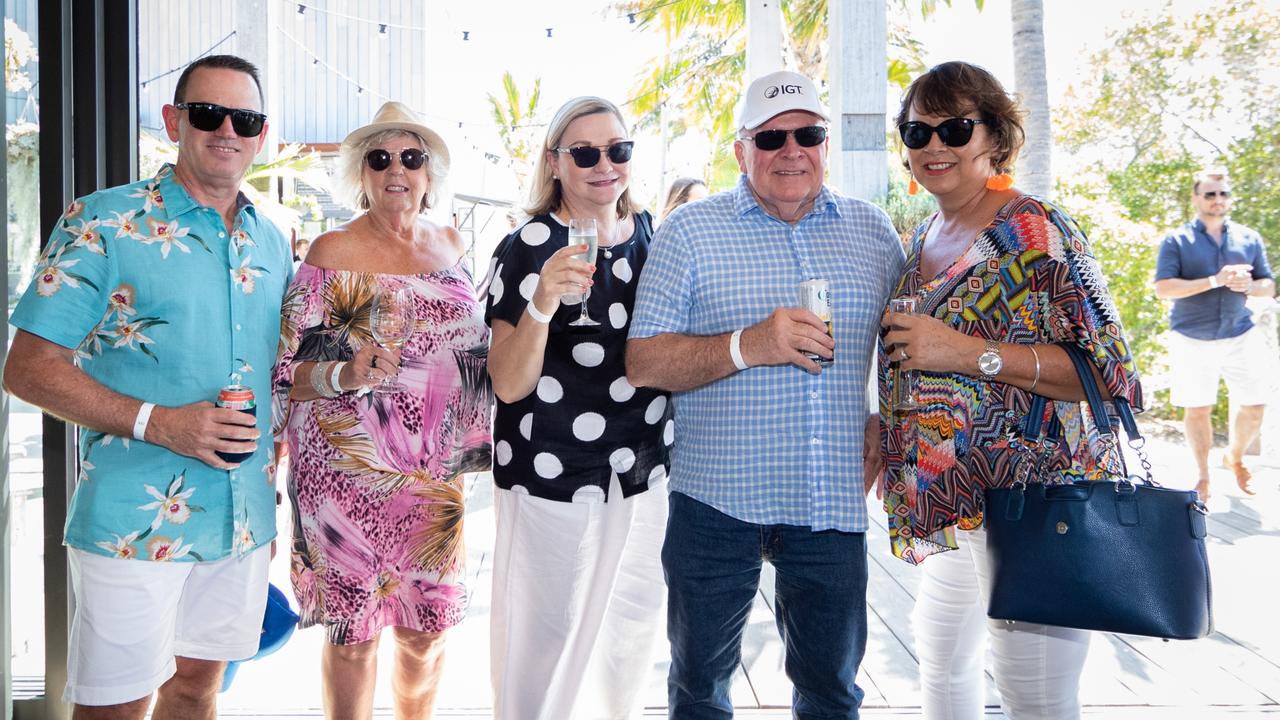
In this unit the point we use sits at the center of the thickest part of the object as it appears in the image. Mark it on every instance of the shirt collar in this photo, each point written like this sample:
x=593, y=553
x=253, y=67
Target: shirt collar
x=1199, y=226
x=744, y=201
x=178, y=201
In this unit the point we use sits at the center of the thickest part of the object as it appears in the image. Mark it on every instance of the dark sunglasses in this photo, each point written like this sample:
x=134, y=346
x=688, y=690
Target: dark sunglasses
x=209, y=117
x=410, y=158
x=587, y=156
x=1211, y=194
x=811, y=136
x=955, y=132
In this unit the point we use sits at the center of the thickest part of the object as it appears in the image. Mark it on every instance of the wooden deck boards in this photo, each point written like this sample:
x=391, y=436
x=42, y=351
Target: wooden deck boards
x=1233, y=674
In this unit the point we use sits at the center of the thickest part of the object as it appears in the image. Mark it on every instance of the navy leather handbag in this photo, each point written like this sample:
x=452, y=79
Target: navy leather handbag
x=1118, y=555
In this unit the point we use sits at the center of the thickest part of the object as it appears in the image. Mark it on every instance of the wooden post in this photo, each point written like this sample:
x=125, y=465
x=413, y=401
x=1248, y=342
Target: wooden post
x=857, y=77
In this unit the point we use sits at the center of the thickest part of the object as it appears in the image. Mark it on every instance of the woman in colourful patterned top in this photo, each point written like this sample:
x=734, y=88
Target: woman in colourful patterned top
x=375, y=478
x=999, y=278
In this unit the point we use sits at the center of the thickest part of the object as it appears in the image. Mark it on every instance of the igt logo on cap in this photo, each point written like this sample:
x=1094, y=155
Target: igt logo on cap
x=773, y=91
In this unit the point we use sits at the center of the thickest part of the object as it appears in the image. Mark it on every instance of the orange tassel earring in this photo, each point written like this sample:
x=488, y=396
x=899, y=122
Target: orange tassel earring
x=1001, y=181
x=913, y=187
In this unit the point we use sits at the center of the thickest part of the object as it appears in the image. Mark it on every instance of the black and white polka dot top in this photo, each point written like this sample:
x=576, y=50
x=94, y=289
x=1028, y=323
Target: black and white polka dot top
x=584, y=422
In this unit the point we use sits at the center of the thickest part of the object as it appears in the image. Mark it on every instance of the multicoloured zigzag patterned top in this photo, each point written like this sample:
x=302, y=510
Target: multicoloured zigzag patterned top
x=1029, y=277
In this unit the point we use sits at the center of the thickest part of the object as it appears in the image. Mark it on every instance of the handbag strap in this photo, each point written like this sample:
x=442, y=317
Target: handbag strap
x=1034, y=427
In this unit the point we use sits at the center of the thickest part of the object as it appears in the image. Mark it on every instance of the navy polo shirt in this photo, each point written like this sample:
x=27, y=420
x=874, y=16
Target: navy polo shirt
x=1190, y=253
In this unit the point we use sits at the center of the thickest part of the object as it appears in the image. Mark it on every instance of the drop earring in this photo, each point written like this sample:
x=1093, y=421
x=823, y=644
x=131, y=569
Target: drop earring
x=913, y=187
x=1000, y=181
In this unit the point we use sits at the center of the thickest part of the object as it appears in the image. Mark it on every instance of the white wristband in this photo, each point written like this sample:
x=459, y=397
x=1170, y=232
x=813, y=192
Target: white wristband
x=1213, y=281
x=735, y=350
x=537, y=315
x=140, y=422
x=333, y=376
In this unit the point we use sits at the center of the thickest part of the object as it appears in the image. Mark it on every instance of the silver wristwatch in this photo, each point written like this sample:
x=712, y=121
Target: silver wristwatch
x=989, y=362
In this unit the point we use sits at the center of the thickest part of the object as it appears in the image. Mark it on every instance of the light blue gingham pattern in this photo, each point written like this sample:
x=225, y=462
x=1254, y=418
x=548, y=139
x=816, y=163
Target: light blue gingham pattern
x=772, y=445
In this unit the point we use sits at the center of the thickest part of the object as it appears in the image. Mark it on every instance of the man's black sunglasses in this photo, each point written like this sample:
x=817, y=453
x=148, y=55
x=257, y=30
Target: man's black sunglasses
x=411, y=158
x=587, y=156
x=209, y=117
x=955, y=132
x=1211, y=194
x=811, y=136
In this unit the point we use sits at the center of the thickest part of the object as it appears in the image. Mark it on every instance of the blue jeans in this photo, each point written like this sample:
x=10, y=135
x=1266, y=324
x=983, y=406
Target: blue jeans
x=712, y=565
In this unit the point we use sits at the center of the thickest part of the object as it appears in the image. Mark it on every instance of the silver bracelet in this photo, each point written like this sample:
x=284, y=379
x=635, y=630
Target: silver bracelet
x=1036, y=380
x=320, y=381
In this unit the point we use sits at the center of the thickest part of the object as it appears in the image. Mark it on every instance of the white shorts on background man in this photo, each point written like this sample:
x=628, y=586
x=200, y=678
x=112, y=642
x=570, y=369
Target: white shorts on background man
x=134, y=617
x=1196, y=366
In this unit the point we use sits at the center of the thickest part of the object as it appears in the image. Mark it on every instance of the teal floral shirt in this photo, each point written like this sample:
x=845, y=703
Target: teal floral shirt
x=161, y=303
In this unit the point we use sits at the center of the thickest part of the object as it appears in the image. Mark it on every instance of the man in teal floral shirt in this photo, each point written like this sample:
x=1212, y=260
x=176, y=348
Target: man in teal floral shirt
x=146, y=300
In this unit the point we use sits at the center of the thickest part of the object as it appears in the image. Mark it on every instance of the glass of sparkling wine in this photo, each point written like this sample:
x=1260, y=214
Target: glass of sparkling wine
x=905, y=395
x=391, y=322
x=582, y=231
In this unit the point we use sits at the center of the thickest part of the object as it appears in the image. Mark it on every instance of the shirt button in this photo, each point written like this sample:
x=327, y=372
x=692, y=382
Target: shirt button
x=222, y=234
x=815, y=441
x=814, y=394
x=237, y=327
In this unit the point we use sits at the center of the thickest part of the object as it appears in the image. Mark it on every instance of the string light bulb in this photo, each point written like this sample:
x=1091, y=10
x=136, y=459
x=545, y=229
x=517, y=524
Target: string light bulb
x=548, y=32
x=302, y=9
x=466, y=35
x=382, y=31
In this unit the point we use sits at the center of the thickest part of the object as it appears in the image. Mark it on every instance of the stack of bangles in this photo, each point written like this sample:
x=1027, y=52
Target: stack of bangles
x=324, y=378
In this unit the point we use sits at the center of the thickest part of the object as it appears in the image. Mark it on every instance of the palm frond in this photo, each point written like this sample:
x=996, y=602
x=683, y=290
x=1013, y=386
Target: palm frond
x=437, y=545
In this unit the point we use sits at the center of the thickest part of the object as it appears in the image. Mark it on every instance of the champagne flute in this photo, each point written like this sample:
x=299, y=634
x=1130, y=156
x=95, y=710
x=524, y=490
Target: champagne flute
x=582, y=231
x=391, y=322
x=905, y=394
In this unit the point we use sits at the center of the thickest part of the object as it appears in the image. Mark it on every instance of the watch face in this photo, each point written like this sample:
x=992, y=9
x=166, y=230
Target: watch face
x=990, y=363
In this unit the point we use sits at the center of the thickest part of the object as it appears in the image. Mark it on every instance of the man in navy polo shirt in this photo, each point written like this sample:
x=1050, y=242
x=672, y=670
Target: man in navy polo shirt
x=1208, y=267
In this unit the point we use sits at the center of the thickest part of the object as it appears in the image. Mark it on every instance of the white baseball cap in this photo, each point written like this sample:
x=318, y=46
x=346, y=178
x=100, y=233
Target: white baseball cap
x=776, y=93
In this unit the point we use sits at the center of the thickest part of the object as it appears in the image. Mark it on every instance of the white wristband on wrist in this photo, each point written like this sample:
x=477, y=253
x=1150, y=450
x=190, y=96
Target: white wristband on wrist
x=140, y=422
x=735, y=350
x=1213, y=281
x=537, y=315
x=333, y=376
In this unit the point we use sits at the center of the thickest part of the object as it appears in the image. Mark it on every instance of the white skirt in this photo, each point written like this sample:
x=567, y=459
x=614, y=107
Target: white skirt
x=578, y=595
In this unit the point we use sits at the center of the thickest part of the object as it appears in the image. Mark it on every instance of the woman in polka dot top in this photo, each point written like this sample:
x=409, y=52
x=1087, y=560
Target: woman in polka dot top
x=581, y=456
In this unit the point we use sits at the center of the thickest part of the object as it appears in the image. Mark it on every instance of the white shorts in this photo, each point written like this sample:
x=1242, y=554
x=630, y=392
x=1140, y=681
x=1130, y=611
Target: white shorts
x=1196, y=365
x=133, y=617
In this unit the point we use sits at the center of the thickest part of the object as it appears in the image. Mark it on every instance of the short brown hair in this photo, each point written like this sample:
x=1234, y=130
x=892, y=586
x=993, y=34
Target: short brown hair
x=226, y=62
x=957, y=88
x=1215, y=173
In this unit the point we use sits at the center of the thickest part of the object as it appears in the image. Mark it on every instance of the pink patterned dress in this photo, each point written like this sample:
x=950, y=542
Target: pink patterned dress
x=376, y=479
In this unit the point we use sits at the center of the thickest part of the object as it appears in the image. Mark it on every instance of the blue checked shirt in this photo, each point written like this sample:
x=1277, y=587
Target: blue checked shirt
x=772, y=445
x=162, y=303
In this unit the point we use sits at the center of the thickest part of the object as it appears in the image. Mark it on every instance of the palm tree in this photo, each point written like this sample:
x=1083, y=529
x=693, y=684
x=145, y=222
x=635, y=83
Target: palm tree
x=1031, y=82
x=515, y=117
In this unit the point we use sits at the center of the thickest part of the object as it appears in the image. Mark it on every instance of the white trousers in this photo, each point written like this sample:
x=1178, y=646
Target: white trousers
x=1037, y=667
x=578, y=593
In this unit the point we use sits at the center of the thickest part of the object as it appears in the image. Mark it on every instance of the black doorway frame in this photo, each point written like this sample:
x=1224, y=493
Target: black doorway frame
x=88, y=141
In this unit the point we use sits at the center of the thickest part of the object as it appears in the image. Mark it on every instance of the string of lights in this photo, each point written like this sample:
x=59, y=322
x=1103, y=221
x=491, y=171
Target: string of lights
x=317, y=61
x=143, y=85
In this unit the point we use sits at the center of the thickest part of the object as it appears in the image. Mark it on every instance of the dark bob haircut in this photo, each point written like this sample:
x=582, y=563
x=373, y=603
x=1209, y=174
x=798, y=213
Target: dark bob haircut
x=957, y=88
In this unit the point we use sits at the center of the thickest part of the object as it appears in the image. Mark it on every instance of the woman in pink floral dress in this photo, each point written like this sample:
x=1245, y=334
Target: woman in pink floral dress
x=376, y=477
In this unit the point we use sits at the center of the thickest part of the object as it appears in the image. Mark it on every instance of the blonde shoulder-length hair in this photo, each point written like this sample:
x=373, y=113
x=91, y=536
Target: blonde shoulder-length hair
x=348, y=185
x=545, y=194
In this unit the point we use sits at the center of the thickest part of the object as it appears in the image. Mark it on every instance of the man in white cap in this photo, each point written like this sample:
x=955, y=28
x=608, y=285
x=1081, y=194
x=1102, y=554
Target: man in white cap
x=773, y=439
x=147, y=298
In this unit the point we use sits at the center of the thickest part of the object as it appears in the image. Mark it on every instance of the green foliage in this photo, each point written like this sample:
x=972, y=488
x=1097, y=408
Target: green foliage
x=906, y=211
x=1255, y=180
x=1168, y=95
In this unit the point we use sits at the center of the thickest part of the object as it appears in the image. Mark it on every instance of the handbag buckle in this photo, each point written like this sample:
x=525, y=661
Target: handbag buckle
x=1062, y=527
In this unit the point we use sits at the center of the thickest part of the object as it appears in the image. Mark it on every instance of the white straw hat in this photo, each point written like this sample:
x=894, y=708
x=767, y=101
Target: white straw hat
x=398, y=116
